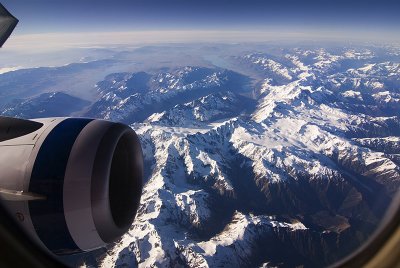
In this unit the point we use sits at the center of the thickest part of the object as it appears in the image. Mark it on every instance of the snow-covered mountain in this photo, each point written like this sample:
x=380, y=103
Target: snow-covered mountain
x=292, y=164
x=301, y=178
x=212, y=107
x=129, y=97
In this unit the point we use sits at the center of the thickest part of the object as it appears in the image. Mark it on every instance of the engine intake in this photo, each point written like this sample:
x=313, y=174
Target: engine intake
x=76, y=182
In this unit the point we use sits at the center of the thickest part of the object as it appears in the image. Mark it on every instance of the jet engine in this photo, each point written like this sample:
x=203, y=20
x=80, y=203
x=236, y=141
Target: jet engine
x=73, y=184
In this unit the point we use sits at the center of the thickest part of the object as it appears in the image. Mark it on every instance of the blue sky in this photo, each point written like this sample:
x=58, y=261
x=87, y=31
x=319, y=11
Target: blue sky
x=44, y=16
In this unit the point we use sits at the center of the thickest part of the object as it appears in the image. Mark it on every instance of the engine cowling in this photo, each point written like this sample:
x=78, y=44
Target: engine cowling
x=73, y=184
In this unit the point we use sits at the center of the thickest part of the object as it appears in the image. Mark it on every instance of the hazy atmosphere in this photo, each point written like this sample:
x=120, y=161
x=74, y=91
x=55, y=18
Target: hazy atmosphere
x=67, y=23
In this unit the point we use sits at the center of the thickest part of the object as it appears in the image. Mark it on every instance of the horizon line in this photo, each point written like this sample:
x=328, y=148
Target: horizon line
x=58, y=40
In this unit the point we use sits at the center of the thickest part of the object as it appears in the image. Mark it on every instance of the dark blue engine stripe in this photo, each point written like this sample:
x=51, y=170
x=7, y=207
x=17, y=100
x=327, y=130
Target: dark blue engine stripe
x=47, y=179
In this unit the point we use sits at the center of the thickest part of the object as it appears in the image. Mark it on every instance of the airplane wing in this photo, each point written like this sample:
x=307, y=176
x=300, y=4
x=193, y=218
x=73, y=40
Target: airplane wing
x=7, y=24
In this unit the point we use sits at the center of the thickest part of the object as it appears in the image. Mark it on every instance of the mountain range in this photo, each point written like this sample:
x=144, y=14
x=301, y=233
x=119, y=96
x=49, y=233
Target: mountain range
x=292, y=165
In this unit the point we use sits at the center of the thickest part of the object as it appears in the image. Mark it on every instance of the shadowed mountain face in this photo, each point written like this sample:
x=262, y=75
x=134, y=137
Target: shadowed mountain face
x=45, y=105
x=292, y=164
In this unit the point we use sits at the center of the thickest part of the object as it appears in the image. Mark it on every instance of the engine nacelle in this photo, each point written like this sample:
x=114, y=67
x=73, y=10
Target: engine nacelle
x=73, y=184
